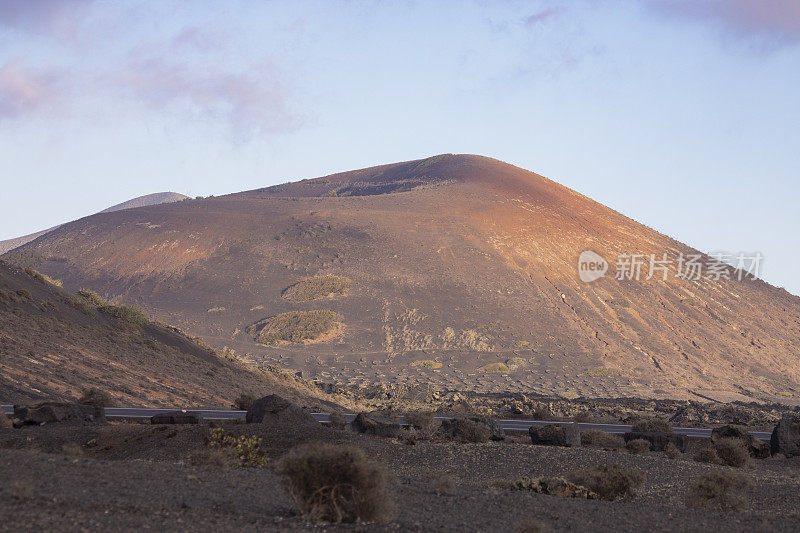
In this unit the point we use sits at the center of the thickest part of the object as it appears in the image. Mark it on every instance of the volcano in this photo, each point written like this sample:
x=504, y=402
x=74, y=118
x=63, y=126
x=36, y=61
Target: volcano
x=457, y=271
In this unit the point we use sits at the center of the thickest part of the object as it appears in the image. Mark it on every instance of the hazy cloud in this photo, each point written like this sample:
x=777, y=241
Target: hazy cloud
x=765, y=23
x=542, y=16
x=25, y=90
x=53, y=17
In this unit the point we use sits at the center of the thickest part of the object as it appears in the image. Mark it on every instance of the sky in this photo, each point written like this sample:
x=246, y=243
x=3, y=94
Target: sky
x=682, y=115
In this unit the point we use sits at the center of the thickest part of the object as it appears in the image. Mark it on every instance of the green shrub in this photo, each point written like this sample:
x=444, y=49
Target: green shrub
x=295, y=326
x=92, y=297
x=44, y=279
x=724, y=491
x=317, y=287
x=81, y=306
x=609, y=481
x=652, y=425
x=336, y=484
x=247, y=448
x=126, y=312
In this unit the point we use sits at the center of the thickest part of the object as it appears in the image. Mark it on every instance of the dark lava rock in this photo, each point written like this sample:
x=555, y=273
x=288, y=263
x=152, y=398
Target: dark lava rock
x=757, y=447
x=556, y=435
x=275, y=410
x=659, y=441
x=58, y=412
x=465, y=430
x=496, y=431
x=376, y=423
x=786, y=437
x=177, y=417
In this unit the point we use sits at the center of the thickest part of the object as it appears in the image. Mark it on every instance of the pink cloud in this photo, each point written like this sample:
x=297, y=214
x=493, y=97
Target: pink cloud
x=542, y=16
x=770, y=22
x=26, y=90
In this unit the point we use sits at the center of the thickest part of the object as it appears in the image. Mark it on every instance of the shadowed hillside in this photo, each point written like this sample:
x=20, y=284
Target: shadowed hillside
x=461, y=271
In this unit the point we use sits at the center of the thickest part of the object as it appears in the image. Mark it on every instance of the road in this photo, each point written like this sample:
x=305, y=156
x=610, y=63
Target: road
x=507, y=424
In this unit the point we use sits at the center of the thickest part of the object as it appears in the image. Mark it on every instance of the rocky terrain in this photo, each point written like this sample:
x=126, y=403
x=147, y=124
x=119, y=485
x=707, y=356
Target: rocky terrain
x=457, y=272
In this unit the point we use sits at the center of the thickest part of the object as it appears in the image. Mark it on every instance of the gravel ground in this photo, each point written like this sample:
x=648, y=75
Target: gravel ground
x=134, y=478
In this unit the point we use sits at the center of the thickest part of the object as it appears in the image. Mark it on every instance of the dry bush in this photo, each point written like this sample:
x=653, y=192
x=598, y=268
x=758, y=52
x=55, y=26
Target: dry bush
x=465, y=430
x=5, y=422
x=721, y=490
x=295, y=326
x=708, y=454
x=603, y=439
x=336, y=484
x=244, y=401
x=732, y=452
x=542, y=413
x=214, y=457
x=424, y=423
x=652, y=425
x=583, y=417
x=338, y=420
x=672, y=451
x=72, y=449
x=529, y=525
x=97, y=397
x=609, y=481
x=315, y=288
x=637, y=446
x=444, y=483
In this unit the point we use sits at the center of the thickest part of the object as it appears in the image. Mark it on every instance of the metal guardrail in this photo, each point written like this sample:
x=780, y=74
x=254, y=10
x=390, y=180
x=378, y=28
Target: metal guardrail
x=324, y=418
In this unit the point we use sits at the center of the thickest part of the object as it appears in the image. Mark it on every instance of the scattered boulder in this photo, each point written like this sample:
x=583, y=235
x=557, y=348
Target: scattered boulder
x=275, y=410
x=376, y=423
x=556, y=435
x=659, y=441
x=786, y=437
x=58, y=412
x=496, y=431
x=177, y=417
x=756, y=447
x=465, y=430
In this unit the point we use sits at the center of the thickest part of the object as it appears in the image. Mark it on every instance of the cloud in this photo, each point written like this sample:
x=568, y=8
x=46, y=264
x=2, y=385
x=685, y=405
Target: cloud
x=767, y=24
x=50, y=17
x=25, y=90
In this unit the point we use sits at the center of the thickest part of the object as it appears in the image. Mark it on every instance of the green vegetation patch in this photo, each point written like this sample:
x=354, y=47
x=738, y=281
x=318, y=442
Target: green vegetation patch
x=427, y=363
x=296, y=326
x=317, y=287
x=495, y=368
x=43, y=278
x=126, y=312
x=92, y=297
x=619, y=302
x=28, y=258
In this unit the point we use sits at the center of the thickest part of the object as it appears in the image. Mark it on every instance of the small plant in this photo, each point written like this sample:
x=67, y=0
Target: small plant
x=732, y=452
x=247, y=449
x=725, y=491
x=92, y=298
x=542, y=413
x=465, y=430
x=652, y=425
x=672, y=451
x=44, y=279
x=244, y=401
x=126, y=312
x=582, y=417
x=336, y=484
x=602, y=439
x=424, y=423
x=316, y=288
x=637, y=446
x=609, y=481
x=81, y=306
x=97, y=397
x=708, y=454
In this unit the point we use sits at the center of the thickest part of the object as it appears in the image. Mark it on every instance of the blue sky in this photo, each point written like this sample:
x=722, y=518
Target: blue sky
x=680, y=114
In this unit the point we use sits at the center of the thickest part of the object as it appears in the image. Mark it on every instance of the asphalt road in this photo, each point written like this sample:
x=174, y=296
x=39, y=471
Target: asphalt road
x=508, y=425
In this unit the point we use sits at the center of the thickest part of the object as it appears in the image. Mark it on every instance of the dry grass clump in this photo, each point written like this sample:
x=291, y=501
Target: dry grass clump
x=542, y=413
x=602, y=439
x=316, y=288
x=637, y=446
x=43, y=278
x=97, y=397
x=610, y=481
x=672, y=451
x=244, y=401
x=213, y=457
x=465, y=430
x=295, y=326
x=727, y=451
x=5, y=422
x=652, y=425
x=126, y=312
x=336, y=484
x=424, y=423
x=724, y=491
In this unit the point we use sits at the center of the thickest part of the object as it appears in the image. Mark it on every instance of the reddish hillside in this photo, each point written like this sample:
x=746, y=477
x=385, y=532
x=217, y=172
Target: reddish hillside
x=462, y=272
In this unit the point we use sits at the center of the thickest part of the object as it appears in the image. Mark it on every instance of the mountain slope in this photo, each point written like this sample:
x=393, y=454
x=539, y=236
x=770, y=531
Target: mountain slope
x=149, y=199
x=462, y=273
